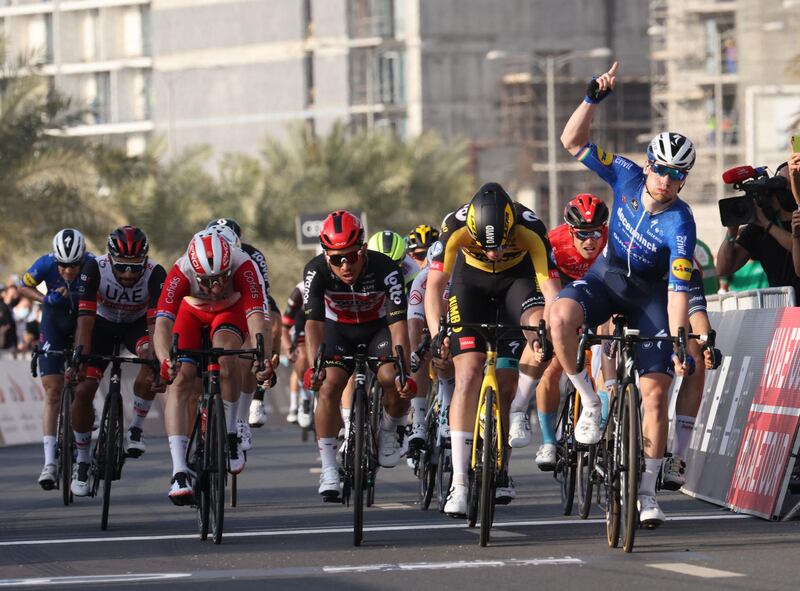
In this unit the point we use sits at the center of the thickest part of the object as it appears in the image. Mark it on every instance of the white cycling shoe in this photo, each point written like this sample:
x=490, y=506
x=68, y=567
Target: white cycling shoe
x=329, y=483
x=456, y=505
x=650, y=514
x=245, y=435
x=390, y=446
x=48, y=477
x=673, y=473
x=305, y=413
x=258, y=414
x=546, y=457
x=519, y=430
x=80, y=486
x=587, y=431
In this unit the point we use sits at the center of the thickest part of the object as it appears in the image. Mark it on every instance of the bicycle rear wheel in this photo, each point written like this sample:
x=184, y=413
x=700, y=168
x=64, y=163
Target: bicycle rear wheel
x=196, y=461
x=66, y=447
x=488, y=468
x=217, y=447
x=585, y=477
x=444, y=473
x=611, y=480
x=360, y=460
x=111, y=452
x=631, y=457
x=565, y=454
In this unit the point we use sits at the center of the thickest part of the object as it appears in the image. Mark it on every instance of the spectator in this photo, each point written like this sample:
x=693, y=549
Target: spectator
x=794, y=183
x=8, y=327
x=767, y=240
x=25, y=314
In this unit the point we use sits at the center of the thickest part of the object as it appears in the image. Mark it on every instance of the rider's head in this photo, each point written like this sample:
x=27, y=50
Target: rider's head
x=68, y=250
x=210, y=256
x=127, y=251
x=342, y=240
x=227, y=232
x=389, y=243
x=670, y=157
x=229, y=222
x=420, y=239
x=587, y=217
x=491, y=219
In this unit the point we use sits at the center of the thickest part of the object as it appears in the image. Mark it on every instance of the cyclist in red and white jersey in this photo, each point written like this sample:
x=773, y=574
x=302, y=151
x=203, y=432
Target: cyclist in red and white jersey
x=354, y=296
x=575, y=243
x=217, y=286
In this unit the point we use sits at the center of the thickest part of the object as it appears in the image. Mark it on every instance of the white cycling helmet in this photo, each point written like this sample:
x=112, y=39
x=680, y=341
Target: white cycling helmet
x=69, y=246
x=227, y=233
x=209, y=254
x=672, y=149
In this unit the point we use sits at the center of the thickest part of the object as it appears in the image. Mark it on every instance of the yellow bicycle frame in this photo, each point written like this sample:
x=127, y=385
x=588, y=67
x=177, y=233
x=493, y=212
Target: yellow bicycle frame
x=489, y=381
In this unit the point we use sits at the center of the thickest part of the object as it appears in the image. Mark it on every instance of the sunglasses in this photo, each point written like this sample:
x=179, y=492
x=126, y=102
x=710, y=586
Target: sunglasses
x=419, y=254
x=126, y=267
x=673, y=173
x=210, y=281
x=337, y=260
x=588, y=234
x=68, y=265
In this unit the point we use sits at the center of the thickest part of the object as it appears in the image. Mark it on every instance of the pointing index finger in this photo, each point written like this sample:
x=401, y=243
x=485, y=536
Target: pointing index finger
x=613, y=70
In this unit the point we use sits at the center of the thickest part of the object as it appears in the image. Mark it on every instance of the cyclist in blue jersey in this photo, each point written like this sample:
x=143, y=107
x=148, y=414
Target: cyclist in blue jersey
x=59, y=270
x=644, y=272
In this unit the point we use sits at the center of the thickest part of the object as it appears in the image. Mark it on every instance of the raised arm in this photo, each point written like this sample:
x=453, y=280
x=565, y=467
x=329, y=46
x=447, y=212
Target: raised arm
x=576, y=131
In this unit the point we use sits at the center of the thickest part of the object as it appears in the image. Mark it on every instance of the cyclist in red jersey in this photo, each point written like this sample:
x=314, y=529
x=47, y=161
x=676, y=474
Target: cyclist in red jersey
x=218, y=286
x=576, y=243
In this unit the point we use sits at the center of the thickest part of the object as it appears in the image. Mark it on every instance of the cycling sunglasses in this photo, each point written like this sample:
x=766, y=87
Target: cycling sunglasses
x=124, y=267
x=674, y=174
x=210, y=281
x=68, y=265
x=419, y=254
x=588, y=234
x=337, y=260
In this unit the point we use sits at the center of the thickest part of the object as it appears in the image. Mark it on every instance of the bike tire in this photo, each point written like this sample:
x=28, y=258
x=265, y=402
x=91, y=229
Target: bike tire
x=585, y=477
x=427, y=467
x=111, y=451
x=444, y=475
x=488, y=468
x=566, y=455
x=196, y=457
x=629, y=477
x=66, y=445
x=360, y=460
x=233, y=490
x=612, y=478
x=219, y=470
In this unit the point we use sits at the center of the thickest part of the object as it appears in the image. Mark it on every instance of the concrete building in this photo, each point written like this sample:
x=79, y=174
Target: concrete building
x=98, y=53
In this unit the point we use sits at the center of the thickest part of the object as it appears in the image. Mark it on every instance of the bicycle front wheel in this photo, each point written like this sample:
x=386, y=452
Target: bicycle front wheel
x=111, y=451
x=585, y=477
x=196, y=460
x=66, y=447
x=444, y=473
x=489, y=467
x=631, y=455
x=427, y=466
x=360, y=461
x=565, y=455
x=217, y=446
x=611, y=480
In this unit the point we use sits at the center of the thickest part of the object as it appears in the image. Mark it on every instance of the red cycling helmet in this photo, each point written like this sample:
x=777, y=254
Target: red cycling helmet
x=127, y=242
x=340, y=230
x=586, y=211
x=210, y=254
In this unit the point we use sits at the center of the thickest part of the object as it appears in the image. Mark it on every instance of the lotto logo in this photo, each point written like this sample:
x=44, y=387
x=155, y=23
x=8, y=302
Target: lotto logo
x=466, y=343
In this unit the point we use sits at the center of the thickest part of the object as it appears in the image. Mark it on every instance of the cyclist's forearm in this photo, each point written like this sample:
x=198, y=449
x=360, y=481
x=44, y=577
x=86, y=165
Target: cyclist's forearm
x=415, y=326
x=399, y=332
x=678, y=311
x=256, y=324
x=576, y=131
x=434, y=305
x=315, y=331
x=83, y=333
x=162, y=337
x=31, y=293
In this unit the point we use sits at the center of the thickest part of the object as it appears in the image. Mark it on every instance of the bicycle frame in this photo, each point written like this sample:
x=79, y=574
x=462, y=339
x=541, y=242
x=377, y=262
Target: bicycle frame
x=489, y=381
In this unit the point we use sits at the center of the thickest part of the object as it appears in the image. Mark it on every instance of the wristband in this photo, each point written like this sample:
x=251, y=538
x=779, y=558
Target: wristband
x=53, y=297
x=729, y=238
x=411, y=385
x=769, y=225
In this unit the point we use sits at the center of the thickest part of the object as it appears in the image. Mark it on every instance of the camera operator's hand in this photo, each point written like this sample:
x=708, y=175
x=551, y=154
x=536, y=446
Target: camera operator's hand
x=761, y=219
x=796, y=224
x=794, y=175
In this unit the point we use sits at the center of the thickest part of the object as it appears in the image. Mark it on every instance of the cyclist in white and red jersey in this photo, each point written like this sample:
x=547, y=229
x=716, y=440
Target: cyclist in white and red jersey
x=576, y=244
x=354, y=296
x=217, y=286
x=118, y=294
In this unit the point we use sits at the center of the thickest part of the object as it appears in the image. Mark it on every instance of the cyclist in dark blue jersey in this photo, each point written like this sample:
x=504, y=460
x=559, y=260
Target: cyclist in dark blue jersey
x=59, y=271
x=644, y=272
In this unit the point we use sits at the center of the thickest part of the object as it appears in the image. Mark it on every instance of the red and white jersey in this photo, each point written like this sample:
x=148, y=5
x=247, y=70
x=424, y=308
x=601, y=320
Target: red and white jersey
x=569, y=261
x=181, y=284
x=101, y=293
x=416, y=296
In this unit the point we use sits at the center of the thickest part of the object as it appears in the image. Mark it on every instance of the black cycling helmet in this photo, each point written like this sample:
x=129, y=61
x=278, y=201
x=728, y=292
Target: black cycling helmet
x=491, y=217
x=422, y=237
x=230, y=222
x=127, y=242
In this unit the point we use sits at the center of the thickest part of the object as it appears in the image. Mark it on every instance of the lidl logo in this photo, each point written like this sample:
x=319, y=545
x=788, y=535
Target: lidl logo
x=605, y=157
x=682, y=269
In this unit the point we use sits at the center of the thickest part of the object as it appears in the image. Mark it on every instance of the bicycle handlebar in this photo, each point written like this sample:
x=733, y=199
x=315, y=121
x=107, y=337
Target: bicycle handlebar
x=587, y=340
x=398, y=359
x=421, y=351
x=216, y=352
x=499, y=329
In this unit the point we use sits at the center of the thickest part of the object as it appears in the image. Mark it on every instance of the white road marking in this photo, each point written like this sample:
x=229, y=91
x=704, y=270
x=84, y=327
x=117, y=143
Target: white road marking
x=315, y=470
x=349, y=529
x=91, y=580
x=499, y=533
x=391, y=506
x=369, y=568
x=696, y=571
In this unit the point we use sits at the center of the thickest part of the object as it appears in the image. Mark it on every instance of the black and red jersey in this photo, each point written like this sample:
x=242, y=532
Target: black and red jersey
x=377, y=293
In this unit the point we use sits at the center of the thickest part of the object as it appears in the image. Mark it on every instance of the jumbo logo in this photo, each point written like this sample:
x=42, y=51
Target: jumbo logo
x=682, y=269
x=454, y=316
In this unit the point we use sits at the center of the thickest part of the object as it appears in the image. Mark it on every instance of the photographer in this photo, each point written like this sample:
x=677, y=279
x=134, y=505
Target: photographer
x=767, y=239
x=794, y=181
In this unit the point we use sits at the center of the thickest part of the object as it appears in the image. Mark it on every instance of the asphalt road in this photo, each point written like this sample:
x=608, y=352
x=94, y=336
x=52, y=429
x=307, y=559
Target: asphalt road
x=282, y=536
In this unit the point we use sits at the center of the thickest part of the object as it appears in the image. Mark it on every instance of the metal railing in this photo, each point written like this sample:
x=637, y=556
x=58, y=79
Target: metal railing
x=752, y=299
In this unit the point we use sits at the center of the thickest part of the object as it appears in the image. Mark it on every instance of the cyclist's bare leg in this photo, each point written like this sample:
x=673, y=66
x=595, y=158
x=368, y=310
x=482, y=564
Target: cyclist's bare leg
x=143, y=391
x=229, y=375
x=654, y=388
x=395, y=406
x=53, y=385
x=182, y=397
x=463, y=408
x=347, y=403
x=83, y=416
x=327, y=417
x=566, y=317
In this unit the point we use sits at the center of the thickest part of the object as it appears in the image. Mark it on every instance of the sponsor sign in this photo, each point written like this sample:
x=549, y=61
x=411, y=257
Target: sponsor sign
x=308, y=226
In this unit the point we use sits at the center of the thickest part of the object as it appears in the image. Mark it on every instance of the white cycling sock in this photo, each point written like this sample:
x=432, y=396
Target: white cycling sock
x=526, y=388
x=83, y=444
x=651, y=469
x=327, y=451
x=243, y=406
x=446, y=387
x=418, y=406
x=584, y=387
x=461, y=445
x=177, y=449
x=140, y=409
x=391, y=423
x=230, y=416
x=684, y=427
x=49, y=449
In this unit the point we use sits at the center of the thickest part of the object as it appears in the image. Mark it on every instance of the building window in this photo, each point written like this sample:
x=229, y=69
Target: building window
x=372, y=18
x=101, y=105
x=145, y=17
x=132, y=27
x=391, y=80
x=90, y=48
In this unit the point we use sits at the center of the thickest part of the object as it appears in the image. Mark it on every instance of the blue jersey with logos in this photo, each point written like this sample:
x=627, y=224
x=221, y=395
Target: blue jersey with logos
x=644, y=246
x=46, y=269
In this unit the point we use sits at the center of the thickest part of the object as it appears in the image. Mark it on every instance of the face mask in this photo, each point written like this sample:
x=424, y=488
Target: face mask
x=22, y=312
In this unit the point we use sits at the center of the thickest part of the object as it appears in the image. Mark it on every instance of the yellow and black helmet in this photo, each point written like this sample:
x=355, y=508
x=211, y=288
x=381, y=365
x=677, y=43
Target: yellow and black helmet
x=423, y=236
x=490, y=217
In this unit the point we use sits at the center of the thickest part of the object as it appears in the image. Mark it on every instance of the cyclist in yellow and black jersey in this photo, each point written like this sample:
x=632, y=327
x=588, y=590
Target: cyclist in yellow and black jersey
x=491, y=249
